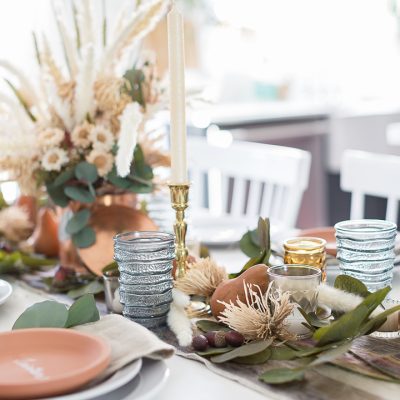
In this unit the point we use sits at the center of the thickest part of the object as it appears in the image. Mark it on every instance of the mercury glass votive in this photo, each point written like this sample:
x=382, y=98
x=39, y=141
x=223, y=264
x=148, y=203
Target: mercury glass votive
x=145, y=264
x=302, y=282
x=306, y=251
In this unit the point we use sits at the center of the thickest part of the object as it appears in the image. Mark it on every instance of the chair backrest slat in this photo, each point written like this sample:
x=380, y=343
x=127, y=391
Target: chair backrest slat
x=364, y=173
x=267, y=180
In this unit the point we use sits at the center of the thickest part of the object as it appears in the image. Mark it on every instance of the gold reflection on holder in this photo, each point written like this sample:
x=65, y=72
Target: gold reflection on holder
x=179, y=202
x=306, y=251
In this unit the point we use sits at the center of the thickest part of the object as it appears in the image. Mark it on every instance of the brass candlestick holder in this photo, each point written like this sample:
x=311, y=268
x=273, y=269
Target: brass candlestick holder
x=179, y=202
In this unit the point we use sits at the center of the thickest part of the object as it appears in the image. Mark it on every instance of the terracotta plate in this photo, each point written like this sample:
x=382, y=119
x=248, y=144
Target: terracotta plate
x=45, y=362
x=327, y=233
x=107, y=221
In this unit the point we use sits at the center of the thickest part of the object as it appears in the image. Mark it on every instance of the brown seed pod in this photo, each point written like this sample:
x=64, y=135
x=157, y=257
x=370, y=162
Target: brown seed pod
x=234, y=338
x=200, y=343
x=216, y=338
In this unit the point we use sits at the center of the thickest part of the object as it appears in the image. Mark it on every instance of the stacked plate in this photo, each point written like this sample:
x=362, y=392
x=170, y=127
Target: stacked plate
x=365, y=250
x=145, y=263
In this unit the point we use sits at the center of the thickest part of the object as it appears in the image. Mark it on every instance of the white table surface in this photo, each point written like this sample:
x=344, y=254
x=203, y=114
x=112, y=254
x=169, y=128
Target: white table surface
x=192, y=380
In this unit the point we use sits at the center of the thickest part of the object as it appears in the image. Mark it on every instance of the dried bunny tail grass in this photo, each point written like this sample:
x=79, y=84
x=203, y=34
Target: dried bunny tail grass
x=202, y=278
x=262, y=316
x=142, y=22
x=84, y=93
x=14, y=224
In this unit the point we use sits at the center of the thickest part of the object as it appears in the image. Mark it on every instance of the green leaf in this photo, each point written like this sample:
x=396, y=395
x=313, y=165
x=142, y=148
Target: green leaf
x=21, y=99
x=282, y=375
x=135, y=78
x=116, y=180
x=111, y=269
x=373, y=300
x=47, y=314
x=375, y=323
x=248, y=247
x=86, y=172
x=84, y=238
x=283, y=353
x=78, y=221
x=83, y=311
x=345, y=327
x=331, y=354
x=313, y=320
x=254, y=359
x=93, y=287
x=213, y=351
x=206, y=325
x=264, y=234
x=351, y=285
x=253, y=261
x=35, y=262
x=78, y=193
x=243, y=351
x=64, y=177
x=57, y=195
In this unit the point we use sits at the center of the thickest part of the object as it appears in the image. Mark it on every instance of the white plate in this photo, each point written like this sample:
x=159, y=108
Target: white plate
x=220, y=230
x=5, y=291
x=145, y=386
x=118, y=380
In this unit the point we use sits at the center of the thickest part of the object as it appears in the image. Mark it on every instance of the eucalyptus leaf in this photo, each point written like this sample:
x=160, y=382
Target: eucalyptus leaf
x=255, y=359
x=375, y=323
x=64, y=177
x=46, y=314
x=79, y=193
x=86, y=172
x=283, y=353
x=57, y=195
x=213, y=351
x=351, y=285
x=243, y=351
x=78, y=221
x=86, y=237
x=331, y=354
x=345, y=327
x=82, y=311
x=117, y=181
x=93, y=287
x=207, y=325
x=313, y=320
x=282, y=375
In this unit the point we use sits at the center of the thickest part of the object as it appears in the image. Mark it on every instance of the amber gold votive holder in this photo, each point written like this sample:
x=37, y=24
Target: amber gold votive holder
x=306, y=251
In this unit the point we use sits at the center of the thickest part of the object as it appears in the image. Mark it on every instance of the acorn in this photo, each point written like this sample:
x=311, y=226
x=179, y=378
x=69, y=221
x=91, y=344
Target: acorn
x=216, y=338
x=234, y=338
x=200, y=343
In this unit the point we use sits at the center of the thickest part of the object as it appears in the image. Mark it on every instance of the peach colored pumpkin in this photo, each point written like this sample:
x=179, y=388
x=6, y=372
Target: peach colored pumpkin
x=45, y=236
x=231, y=289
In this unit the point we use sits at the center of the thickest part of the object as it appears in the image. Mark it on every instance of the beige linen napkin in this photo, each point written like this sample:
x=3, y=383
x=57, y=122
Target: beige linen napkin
x=128, y=340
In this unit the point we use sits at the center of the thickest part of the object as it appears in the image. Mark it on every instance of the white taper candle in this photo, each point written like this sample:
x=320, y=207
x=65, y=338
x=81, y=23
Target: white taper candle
x=176, y=57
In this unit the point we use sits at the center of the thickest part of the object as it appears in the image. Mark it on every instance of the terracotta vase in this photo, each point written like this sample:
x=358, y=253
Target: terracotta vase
x=45, y=236
x=110, y=214
x=30, y=205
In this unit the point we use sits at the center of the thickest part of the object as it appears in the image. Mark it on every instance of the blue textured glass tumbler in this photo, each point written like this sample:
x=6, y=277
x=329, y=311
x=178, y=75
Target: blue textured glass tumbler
x=365, y=250
x=145, y=264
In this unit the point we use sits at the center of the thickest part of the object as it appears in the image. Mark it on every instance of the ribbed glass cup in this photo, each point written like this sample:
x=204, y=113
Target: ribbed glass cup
x=145, y=263
x=365, y=250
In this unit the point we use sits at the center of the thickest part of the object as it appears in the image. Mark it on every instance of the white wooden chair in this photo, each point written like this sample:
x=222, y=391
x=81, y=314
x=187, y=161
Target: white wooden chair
x=248, y=179
x=378, y=175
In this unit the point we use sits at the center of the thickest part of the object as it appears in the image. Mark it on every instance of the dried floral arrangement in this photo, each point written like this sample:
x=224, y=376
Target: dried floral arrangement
x=81, y=130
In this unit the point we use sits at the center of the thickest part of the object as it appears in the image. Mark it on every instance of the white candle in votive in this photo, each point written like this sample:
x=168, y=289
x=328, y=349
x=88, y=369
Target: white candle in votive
x=176, y=57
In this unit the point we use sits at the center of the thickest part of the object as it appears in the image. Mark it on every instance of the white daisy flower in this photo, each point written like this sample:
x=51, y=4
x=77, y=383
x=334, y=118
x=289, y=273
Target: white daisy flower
x=80, y=135
x=101, y=138
x=51, y=137
x=54, y=159
x=102, y=160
